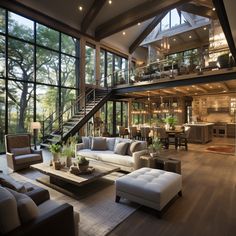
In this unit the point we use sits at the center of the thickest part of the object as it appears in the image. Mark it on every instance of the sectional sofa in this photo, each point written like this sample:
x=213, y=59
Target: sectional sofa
x=124, y=153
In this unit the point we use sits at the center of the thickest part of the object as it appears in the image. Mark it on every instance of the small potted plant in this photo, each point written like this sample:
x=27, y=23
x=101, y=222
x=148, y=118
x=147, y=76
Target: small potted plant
x=170, y=122
x=55, y=149
x=83, y=163
x=68, y=152
x=155, y=147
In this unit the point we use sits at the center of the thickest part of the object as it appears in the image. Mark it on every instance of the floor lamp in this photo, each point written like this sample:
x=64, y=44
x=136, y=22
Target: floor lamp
x=35, y=126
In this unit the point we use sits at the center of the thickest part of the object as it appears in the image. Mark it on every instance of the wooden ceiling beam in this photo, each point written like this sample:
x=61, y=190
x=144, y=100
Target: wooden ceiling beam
x=198, y=10
x=135, y=15
x=146, y=31
x=91, y=14
x=223, y=18
x=225, y=87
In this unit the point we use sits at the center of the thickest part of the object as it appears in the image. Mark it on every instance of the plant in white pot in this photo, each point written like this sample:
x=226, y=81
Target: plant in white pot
x=83, y=163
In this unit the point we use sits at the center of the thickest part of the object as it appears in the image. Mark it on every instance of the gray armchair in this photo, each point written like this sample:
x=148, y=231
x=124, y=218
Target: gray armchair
x=19, y=153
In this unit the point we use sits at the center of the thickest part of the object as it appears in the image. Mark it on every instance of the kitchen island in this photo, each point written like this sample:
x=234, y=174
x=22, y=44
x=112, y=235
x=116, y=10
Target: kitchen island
x=200, y=132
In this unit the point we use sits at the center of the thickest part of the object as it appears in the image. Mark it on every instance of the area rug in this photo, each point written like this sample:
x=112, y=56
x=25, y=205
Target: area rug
x=99, y=213
x=228, y=149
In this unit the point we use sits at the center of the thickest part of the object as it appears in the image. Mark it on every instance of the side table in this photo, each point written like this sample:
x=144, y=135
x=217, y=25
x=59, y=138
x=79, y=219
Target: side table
x=163, y=163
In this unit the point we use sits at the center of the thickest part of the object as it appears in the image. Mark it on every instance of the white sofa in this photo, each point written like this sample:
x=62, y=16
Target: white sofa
x=126, y=162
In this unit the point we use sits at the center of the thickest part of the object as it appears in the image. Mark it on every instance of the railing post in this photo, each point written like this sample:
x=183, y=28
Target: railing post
x=94, y=94
x=43, y=131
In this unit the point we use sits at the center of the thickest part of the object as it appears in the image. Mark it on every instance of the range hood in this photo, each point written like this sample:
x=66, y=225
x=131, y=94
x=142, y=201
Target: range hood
x=218, y=110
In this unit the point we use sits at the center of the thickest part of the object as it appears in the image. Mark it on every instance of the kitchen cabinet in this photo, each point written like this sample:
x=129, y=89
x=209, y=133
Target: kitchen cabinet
x=231, y=130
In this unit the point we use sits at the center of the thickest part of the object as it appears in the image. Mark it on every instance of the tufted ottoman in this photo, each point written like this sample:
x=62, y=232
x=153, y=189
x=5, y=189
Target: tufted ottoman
x=149, y=187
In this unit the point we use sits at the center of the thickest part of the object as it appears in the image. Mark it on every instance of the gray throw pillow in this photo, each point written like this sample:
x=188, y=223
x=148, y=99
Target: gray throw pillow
x=9, y=182
x=21, y=151
x=86, y=142
x=27, y=209
x=110, y=143
x=134, y=147
x=9, y=218
x=121, y=148
x=99, y=143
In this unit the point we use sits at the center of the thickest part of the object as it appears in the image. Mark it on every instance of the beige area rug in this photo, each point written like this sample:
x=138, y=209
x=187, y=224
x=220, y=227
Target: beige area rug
x=99, y=213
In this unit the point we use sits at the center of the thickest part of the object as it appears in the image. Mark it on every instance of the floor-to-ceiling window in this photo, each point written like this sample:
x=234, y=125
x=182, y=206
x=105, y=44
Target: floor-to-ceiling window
x=90, y=64
x=114, y=68
x=39, y=73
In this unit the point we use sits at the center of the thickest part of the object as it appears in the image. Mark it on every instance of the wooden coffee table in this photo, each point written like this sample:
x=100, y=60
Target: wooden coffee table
x=65, y=182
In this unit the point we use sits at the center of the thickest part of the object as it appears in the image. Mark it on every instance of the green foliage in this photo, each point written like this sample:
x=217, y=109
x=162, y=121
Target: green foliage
x=82, y=160
x=55, y=148
x=171, y=120
x=68, y=151
x=156, y=144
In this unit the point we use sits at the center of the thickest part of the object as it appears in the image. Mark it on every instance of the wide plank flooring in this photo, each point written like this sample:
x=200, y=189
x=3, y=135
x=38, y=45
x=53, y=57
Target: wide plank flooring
x=208, y=205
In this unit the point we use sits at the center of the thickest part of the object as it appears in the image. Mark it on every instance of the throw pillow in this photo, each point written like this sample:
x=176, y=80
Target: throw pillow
x=9, y=219
x=21, y=151
x=121, y=148
x=110, y=143
x=99, y=143
x=86, y=143
x=134, y=147
x=9, y=182
x=27, y=209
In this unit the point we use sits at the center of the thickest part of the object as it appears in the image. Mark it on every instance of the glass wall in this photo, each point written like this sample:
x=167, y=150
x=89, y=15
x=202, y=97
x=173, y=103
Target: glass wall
x=114, y=68
x=39, y=77
x=90, y=65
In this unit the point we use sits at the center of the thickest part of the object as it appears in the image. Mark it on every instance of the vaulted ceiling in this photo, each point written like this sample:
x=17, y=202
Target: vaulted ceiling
x=106, y=21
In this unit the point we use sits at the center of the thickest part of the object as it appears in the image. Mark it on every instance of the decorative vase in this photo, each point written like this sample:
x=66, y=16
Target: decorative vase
x=57, y=165
x=55, y=156
x=68, y=162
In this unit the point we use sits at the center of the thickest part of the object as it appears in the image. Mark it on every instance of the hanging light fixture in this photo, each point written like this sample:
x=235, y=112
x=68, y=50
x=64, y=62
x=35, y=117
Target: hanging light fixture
x=165, y=45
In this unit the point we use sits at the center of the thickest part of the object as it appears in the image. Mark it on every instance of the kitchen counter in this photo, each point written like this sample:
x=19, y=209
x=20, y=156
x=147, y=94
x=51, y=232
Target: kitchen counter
x=201, y=132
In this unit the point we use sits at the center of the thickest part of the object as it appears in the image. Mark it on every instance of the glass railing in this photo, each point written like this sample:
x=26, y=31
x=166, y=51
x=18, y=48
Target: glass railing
x=196, y=63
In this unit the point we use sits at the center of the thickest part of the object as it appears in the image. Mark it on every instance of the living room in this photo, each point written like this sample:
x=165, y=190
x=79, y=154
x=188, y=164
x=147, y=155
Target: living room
x=125, y=113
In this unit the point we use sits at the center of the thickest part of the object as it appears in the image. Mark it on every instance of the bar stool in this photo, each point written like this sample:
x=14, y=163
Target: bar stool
x=183, y=138
x=145, y=133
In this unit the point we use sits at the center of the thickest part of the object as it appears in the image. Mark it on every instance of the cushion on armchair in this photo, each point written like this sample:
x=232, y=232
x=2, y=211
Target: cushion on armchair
x=21, y=151
x=26, y=207
x=22, y=159
x=9, y=219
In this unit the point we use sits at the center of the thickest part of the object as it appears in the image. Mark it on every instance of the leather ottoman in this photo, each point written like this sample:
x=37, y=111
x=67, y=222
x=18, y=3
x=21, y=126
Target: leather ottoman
x=149, y=187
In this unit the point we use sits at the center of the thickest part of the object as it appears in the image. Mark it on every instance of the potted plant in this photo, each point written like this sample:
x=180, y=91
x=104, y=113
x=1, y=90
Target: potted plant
x=170, y=122
x=55, y=149
x=68, y=152
x=155, y=147
x=83, y=163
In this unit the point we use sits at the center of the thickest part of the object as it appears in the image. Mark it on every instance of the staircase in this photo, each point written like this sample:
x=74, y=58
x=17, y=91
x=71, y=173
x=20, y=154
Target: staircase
x=79, y=112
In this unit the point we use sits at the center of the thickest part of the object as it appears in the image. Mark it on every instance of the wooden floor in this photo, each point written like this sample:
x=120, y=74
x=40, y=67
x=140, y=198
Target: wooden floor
x=208, y=205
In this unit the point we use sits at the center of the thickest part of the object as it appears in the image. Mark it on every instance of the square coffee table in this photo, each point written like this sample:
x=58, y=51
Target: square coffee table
x=64, y=181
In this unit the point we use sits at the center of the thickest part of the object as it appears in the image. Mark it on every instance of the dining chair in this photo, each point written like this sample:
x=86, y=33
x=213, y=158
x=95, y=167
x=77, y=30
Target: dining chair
x=161, y=133
x=183, y=138
x=133, y=132
x=145, y=133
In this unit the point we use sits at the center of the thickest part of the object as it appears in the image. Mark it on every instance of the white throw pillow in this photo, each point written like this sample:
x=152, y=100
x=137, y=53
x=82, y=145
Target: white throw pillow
x=9, y=218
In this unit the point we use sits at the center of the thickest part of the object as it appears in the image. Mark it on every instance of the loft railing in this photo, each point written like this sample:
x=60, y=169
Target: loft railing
x=174, y=66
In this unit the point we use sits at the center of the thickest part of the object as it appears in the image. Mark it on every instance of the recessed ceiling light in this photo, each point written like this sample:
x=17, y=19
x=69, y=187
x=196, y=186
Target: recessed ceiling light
x=195, y=93
x=124, y=33
x=174, y=39
x=139, y=23
x=211, y=87
x=190, y=36
x=205, y=28
x=213, y=9
x=110, y=2
x=80, y=8
x=187, y=88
